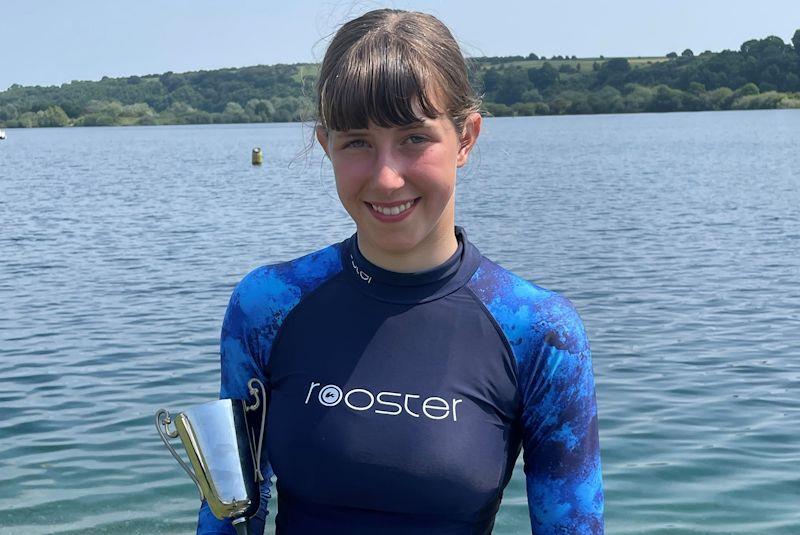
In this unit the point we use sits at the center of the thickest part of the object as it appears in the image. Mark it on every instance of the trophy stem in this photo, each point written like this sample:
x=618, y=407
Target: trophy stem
x=241, y=526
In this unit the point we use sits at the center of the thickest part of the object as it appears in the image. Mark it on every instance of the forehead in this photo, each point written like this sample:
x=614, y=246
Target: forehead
x=441, y=123
x=415, y=118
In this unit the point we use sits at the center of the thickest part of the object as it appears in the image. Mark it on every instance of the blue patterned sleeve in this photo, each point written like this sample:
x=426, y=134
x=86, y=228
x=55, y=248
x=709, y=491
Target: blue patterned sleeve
x=241, y=351
x=561, y=450
x=257, y=309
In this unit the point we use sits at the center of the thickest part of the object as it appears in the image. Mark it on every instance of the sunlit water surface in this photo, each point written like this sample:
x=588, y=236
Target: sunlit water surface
x=677, y=236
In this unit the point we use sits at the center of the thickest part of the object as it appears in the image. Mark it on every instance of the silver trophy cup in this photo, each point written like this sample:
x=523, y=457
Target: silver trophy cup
x=225, y=451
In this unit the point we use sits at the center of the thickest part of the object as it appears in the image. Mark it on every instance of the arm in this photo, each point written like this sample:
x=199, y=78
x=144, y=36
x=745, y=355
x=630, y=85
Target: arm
x=560, y=434
x=240, y=361
x=256, y=311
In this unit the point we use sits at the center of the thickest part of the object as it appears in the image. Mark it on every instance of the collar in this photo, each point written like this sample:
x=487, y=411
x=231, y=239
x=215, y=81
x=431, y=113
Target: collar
x=410, y=288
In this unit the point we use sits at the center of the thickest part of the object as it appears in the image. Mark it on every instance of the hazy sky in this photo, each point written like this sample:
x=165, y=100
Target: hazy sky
x=48, y=42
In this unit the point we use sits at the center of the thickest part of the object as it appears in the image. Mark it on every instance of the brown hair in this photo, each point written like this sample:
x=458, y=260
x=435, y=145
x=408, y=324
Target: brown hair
x=380, y=63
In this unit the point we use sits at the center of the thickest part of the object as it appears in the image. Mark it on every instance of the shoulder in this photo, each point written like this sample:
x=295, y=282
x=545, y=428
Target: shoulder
x=528, y=314
x=269, y=292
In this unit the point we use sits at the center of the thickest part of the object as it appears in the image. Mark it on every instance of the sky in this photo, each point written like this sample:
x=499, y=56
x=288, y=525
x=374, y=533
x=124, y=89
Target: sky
x=49, y=42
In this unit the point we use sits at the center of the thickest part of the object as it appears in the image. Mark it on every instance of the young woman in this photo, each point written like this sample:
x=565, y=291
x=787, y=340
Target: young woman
x=406, y=371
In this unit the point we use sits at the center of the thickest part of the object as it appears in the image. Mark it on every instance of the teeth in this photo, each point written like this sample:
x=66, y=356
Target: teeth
x=394, y=210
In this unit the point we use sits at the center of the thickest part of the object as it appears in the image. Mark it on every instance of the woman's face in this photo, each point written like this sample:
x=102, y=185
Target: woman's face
x=398, y=184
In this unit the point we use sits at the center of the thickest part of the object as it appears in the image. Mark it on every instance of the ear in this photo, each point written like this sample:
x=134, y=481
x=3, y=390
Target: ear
x=469, y=136
x=322, y=138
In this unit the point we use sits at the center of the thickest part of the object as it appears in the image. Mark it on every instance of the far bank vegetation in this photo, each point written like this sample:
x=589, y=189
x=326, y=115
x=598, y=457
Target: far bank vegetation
x=762, y=74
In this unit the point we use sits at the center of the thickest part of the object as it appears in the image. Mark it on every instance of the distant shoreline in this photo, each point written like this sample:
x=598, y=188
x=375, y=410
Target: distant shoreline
x=762, y=74
x=17, y=128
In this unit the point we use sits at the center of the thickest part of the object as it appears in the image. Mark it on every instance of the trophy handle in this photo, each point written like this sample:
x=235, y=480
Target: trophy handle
x=163, y=420
x=255, y=446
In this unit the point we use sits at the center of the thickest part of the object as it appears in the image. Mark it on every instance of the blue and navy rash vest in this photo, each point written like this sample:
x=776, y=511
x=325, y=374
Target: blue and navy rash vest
x=399, y=402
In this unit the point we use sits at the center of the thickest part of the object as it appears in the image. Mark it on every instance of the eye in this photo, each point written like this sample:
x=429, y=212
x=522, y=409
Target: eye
x=355, y=144
x=416, y=139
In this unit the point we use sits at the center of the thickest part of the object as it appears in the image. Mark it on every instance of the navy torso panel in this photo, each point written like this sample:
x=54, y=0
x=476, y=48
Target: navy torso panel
x=399, y=402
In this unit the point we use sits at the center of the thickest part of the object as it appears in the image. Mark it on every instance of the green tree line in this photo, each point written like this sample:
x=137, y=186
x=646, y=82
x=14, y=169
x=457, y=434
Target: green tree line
x=762, y=74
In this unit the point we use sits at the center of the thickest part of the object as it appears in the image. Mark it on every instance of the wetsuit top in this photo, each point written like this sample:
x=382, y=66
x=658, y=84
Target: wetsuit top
x=399, y=402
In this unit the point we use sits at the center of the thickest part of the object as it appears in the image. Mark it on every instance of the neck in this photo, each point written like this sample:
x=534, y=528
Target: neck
x=434, y=251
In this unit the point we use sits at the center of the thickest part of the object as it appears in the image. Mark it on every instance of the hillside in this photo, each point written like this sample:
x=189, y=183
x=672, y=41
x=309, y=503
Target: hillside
x=763, y=73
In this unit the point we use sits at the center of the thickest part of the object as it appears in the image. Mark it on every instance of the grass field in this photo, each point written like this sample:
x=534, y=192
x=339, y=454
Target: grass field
x=585, y=63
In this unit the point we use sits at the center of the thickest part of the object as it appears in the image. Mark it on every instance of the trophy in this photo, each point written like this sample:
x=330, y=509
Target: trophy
x=225, y=452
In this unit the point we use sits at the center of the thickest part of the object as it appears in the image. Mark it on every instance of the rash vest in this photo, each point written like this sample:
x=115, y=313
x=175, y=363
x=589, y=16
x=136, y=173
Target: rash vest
x=399, y=402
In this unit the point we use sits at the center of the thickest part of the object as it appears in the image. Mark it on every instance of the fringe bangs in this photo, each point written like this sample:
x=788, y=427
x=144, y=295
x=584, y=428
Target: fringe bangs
x=379, y=81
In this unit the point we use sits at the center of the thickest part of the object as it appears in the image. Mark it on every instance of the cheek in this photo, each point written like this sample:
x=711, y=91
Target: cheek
x=351, y=175
x=436, y=169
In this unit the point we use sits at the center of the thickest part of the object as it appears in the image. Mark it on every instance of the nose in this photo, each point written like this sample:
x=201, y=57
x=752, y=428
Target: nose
x=388, y=171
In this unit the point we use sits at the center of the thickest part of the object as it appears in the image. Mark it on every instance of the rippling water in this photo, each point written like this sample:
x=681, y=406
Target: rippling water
x=676, y=235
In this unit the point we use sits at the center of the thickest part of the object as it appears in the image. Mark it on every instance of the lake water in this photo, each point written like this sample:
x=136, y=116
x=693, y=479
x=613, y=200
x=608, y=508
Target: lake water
x=677, y=236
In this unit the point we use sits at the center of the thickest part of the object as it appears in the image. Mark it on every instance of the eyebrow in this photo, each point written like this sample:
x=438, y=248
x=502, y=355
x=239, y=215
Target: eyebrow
x=362, y=131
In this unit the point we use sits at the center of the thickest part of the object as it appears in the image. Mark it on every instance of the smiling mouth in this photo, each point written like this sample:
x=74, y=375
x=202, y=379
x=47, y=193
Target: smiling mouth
x=392, y=209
